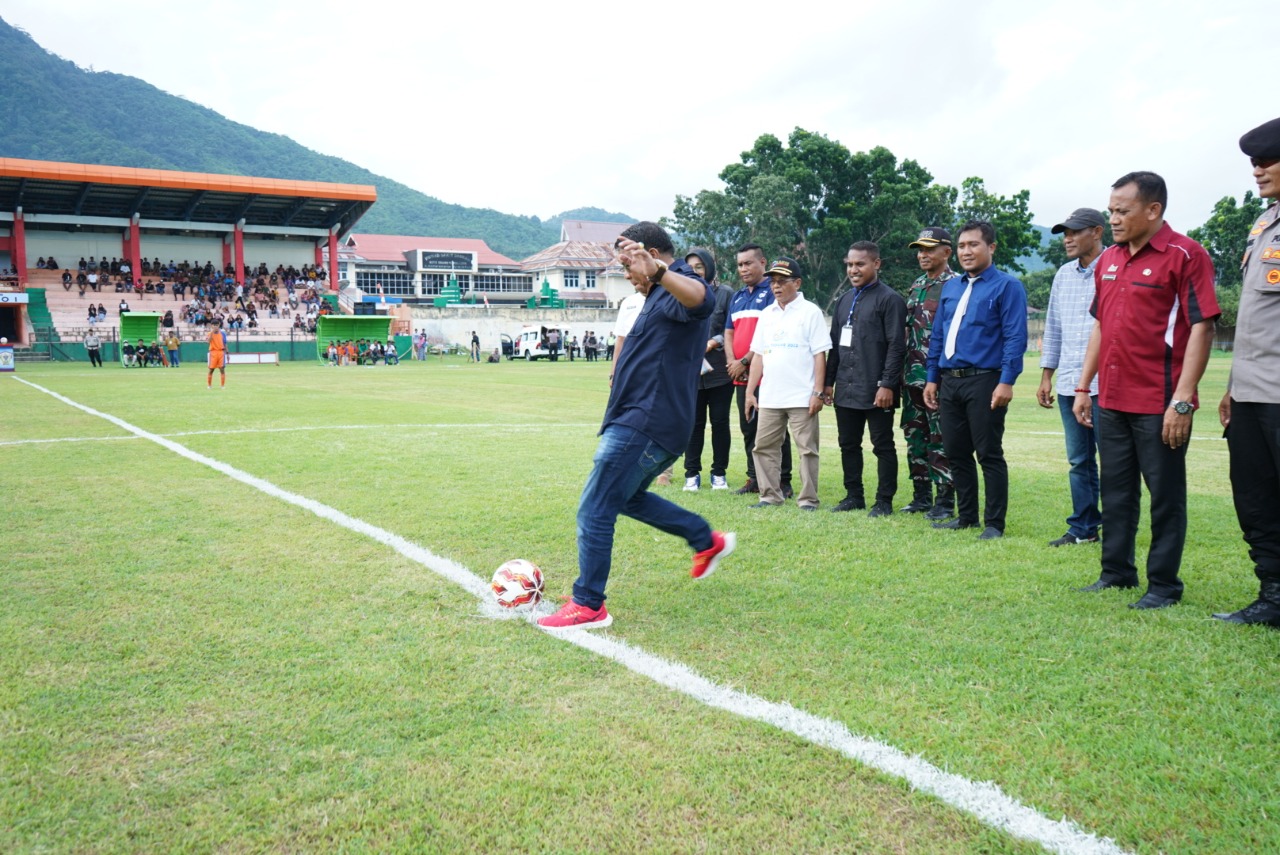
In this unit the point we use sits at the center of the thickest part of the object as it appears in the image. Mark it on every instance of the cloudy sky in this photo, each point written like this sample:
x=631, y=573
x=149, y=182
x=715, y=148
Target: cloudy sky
x=539, y=108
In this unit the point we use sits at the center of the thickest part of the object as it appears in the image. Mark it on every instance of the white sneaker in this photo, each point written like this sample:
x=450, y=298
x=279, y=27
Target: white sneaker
x=718, y=482
x=692, y=483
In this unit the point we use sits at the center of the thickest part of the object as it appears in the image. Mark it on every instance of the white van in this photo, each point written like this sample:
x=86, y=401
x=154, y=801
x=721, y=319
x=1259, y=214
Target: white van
x=531, y=344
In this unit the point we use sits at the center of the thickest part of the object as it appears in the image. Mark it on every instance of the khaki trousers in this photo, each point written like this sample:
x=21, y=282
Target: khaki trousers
x=772, y=425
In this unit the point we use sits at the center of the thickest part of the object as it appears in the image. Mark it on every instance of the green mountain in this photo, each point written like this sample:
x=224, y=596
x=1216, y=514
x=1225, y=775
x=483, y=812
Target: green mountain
x=51, y=109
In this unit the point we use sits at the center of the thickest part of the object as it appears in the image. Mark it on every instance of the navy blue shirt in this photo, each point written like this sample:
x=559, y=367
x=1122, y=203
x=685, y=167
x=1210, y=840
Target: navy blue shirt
x=655, y=382
x=993, y=332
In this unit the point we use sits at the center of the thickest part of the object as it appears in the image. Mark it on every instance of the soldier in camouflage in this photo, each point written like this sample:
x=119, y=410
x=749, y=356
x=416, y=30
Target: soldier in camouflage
x=920, y=425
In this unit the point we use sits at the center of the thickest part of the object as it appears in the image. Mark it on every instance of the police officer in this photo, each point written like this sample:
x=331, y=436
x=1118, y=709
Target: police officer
x=1250, y=411
x=922, y=427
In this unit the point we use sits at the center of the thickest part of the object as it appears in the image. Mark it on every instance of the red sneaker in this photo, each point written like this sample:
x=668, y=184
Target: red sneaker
x=573, y=616
x=706, y=561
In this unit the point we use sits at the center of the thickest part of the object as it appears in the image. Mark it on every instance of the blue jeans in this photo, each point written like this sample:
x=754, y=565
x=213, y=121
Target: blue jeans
x=1082, y=454
x=625, y=463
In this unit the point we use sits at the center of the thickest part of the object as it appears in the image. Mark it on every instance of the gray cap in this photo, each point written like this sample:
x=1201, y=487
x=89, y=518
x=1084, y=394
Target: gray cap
x=1081, y=218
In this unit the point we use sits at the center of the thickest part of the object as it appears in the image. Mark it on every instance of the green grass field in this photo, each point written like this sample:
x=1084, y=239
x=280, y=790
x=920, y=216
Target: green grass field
x=187, y=664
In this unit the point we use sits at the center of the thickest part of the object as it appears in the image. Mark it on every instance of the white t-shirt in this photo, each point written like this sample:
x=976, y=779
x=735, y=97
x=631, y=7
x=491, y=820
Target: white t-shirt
x=788, y=339
x=628, y=310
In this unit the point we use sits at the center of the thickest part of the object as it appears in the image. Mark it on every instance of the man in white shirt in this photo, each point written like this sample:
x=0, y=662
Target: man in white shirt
x=789, y=365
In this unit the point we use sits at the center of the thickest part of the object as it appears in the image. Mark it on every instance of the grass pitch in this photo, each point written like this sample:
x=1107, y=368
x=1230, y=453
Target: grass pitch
x=187, y=664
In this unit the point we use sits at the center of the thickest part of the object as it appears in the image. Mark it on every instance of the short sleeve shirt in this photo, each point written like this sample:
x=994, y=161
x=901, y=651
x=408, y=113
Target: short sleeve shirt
x=1257, y=347
x=1145, y=305
x=655, y=382
x=788, y=339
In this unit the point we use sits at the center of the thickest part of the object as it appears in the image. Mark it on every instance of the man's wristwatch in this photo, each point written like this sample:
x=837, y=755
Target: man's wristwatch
x=1182, y=408
x=656, y=278
x=745, y=361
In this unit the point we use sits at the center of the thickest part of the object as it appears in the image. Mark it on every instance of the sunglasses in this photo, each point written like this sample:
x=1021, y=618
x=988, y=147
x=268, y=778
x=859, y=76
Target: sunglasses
x=1264, y=162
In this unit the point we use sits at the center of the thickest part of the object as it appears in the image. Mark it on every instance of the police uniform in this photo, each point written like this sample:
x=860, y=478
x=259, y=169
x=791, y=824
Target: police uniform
x=1253, y=433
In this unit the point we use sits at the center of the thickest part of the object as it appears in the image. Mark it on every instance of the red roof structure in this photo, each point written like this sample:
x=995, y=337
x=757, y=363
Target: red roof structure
x=391, y=248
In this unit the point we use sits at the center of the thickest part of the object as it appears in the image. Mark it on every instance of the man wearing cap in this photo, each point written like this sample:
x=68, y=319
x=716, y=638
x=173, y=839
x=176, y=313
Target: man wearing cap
x=745, y=308
x=1250, y=410
x=922, y=426
x=1153, y=310
x=975, y=355
x=1067, y=328
x=789, y=349
x=864, y=373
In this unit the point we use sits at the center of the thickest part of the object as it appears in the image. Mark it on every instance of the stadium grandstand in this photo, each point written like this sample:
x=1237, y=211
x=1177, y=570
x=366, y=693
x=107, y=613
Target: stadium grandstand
x=72, y=235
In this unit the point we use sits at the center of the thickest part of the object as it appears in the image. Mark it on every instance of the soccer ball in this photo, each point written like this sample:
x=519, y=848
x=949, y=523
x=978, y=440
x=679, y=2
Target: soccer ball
x=517, y=583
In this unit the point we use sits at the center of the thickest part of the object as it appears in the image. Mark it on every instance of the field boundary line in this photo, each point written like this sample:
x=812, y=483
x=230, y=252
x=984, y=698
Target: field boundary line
x=983, y=800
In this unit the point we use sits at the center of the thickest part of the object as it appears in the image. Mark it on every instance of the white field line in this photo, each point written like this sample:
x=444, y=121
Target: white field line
x=984, y=800
x=493, y=426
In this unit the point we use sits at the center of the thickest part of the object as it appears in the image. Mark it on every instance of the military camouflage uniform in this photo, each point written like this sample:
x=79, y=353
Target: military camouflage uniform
x=921, y=425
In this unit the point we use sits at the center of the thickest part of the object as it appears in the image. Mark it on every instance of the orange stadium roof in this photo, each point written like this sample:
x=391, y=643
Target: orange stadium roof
x=77, y=189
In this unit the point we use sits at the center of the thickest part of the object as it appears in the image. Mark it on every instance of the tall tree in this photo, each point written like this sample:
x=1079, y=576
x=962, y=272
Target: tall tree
x=1008, y=215
x=811, y=198
x=1226, y=233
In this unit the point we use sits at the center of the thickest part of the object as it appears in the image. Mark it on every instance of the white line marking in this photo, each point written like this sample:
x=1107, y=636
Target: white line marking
x=984, y=800
x=486, y=426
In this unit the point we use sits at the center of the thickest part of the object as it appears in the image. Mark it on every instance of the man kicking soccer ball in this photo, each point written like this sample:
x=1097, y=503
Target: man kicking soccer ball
x=646, y=425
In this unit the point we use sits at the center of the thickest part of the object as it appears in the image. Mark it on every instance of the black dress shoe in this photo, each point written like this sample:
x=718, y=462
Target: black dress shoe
x=1154, y=601
x=1102, y=585
x=750, y=487
x=1259, y=611
x=880, y=509
x=954, y=525
x=991, y=533
x=848, y=503
x=787, y=492
x=938, y=512
x=918, y=506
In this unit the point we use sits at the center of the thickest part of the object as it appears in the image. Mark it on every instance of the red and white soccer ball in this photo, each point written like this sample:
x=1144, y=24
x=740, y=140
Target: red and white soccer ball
x=517, y=584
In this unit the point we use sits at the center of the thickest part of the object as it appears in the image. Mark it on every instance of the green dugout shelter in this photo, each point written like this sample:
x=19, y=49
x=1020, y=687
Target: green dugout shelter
x=340, y=328
x=139, y=325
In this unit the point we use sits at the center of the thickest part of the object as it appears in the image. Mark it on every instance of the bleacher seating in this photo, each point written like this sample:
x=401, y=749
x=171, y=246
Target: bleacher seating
x=70, y=310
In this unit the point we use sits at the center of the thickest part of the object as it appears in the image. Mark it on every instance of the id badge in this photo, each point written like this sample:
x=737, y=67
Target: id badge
x=846, y=336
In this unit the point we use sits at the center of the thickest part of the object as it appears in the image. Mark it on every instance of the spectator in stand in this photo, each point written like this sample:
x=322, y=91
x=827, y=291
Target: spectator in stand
x=66, y=280
x=51, y=263
x=40, y=263
x=83, y=265
x=93, y=315
x=92, y=279
x=102, y=314
x=83, y=283
x=124, y=306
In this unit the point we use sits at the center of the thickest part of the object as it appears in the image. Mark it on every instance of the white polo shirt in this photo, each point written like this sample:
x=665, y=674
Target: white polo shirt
x=788, y=339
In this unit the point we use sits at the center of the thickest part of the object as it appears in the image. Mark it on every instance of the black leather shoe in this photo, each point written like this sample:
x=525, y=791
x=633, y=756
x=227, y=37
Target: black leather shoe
x=848, y=503
x=991, y=533
x=1153, y=601
x=1102, y=585
x=1259, y=611
x=918, y=506
x=750, y=487
x=787, y=492
x=880, y=509
x=938, y=512
x=954, y=525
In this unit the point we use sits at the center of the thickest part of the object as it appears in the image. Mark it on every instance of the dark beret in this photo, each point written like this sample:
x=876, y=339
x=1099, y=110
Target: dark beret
x=1262, y=141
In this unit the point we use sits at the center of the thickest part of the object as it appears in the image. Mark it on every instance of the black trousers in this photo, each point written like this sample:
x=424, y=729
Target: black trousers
x=1253, y=440
x=713, y=402
x=748, y=429
x=850, y=423
x=95, y=356
x=1130, y=451
x=969, y=427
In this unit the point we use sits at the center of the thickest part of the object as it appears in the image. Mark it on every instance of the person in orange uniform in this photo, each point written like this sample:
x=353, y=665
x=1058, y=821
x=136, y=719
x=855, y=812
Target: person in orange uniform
x=217, y=356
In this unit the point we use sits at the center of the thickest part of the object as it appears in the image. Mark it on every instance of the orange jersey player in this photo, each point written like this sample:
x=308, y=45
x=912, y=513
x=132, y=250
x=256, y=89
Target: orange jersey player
x=217, y=356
